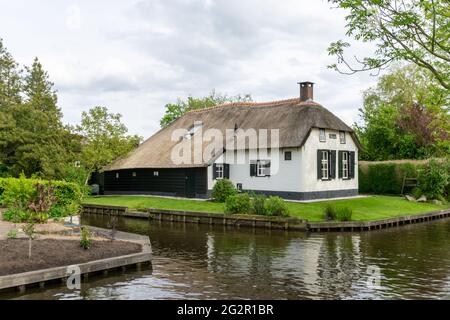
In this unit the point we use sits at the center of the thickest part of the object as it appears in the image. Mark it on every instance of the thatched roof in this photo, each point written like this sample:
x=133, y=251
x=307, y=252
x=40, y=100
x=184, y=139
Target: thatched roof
x=293, y=118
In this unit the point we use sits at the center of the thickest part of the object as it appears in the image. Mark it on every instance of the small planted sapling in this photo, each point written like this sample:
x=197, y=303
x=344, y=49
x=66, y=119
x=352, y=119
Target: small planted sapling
x=30, y=232
x=85, y=239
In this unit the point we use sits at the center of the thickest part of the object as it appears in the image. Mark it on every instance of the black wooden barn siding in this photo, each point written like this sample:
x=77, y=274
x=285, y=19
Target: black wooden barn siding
x=169, y=182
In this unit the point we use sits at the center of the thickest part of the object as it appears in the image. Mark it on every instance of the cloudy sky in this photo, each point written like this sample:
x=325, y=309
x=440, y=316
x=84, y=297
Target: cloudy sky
x=136, y=56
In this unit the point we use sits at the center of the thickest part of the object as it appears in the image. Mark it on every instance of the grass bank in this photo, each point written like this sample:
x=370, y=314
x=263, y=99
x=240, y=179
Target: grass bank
x=364, y=209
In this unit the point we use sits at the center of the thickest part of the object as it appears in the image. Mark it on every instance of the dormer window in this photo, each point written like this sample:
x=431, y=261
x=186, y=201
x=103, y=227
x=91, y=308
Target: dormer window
x=322, y=135
x=193, y=130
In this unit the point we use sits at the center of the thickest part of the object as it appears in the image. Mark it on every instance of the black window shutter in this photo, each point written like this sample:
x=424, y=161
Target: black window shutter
x=214, y=168
x=332, y=164
x=252, y=169
x=268, y=166
x=340, y=158
x=226, y=171
x=319, y=164
x=351, y=167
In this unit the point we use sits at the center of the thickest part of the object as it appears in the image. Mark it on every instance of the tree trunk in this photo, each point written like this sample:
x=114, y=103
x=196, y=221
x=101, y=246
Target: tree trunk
x=29, y=248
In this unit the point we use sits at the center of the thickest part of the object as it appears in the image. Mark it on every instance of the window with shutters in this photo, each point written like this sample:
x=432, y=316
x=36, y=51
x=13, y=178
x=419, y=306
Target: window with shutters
x=324, y=164
x=219, y=171
x=322, y=135
x=263, y=168
x=345, y=165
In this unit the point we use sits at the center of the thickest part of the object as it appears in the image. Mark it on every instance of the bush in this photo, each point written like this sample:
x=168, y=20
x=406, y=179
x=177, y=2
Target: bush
x=276, y=206
x=330, y=212
x=259, y=204
x=16, y=215
x=223, y=189
x=238, y=203
x=434, y=179
x=12, y=234
x=20, y=195
x=17, y=193
x=344, y=214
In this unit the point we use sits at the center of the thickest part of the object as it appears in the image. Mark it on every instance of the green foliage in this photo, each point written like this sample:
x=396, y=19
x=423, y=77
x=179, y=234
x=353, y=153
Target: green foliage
x=223, y=189
x=344, y=214
x=329, y=212
x=259, y=204
x=16, y=215
x=46, y=198
x=12, y=234
x=404, y=117
x=434, y=179
x=17, y=193
x=106, y=139
x=385, y=178
x=415, y=31
x=176, y=110
x=276, y=206
x=85, y=238
x=238, y=204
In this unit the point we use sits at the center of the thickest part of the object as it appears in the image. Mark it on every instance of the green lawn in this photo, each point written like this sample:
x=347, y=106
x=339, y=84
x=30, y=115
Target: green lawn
x=369, y=208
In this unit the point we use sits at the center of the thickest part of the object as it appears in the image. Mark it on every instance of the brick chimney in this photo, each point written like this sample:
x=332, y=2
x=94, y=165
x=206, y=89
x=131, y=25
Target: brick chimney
x=306, y=91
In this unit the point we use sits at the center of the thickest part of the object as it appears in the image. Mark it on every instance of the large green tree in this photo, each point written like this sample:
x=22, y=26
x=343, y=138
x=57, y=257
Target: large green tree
x=176, y=110
x=34, y=141
x=105, y=139
x=415, y=31
x=406, y=116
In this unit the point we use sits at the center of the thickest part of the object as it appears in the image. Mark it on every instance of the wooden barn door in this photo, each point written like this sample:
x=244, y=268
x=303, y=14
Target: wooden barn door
x=190, y=183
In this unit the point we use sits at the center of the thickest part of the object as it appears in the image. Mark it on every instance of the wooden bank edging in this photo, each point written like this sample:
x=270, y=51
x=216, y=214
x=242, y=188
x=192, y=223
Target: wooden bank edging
x=41, y=277
x=263, y=221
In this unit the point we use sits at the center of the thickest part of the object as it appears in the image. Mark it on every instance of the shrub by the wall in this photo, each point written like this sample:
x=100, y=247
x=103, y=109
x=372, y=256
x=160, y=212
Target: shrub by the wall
x=276, y=206
x=223, y=189
x=434, y=179
x=238, y=203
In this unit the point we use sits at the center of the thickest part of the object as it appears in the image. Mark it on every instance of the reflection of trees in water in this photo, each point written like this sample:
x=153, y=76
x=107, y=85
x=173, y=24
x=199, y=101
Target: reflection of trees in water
x=339, y=265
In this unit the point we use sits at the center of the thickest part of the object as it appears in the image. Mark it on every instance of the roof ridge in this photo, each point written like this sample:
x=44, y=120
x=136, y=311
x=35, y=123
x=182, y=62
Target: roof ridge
x=250, y=104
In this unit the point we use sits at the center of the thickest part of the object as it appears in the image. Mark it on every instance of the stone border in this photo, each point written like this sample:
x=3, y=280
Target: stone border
x=21, y=280
x=263, y=221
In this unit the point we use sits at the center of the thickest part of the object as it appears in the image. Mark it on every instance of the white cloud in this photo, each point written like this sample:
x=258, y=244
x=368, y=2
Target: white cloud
x=136, y=56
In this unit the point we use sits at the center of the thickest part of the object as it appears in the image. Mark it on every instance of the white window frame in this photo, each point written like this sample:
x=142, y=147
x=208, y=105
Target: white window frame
x=325, y=165
x=117, y=175
x=219, y=171
x=156, y=173
x=345, y=168
x=134, y=174
x=342, y=137
x=322, y=135
x=261, y=168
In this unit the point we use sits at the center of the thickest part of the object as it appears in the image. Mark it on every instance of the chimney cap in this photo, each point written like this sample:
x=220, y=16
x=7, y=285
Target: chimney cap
x=305, y=82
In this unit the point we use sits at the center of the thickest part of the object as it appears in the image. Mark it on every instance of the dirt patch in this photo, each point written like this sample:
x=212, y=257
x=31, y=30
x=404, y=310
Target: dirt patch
x=50, y=253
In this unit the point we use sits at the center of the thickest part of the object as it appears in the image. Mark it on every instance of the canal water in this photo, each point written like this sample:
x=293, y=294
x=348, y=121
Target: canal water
x=204, y=262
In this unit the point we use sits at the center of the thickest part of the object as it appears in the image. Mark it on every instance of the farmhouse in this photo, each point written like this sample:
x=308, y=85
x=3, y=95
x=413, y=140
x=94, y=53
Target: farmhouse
x=292, y=148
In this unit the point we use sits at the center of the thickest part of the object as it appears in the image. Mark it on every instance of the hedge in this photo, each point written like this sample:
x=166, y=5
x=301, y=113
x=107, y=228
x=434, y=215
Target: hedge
x=386, y=177
x=66, y=193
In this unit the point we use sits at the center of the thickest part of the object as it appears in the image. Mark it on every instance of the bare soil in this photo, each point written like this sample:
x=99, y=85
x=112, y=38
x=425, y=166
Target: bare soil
x=50, y=253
